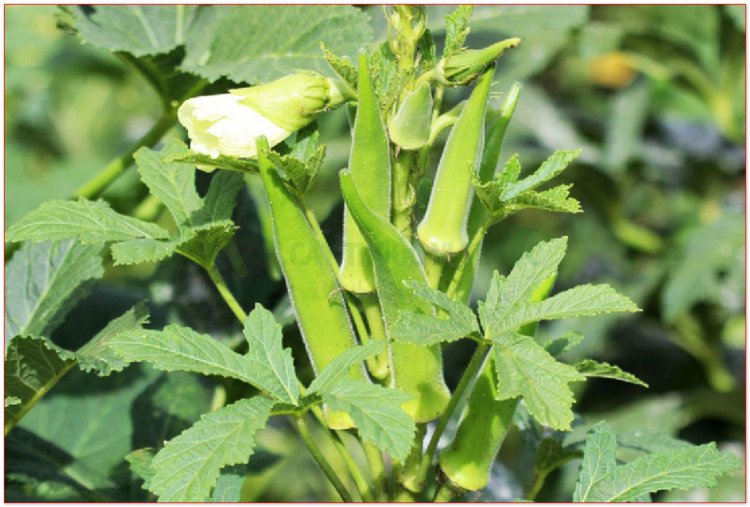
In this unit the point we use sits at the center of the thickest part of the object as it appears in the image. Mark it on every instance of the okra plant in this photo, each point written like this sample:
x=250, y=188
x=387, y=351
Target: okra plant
x=375, y=314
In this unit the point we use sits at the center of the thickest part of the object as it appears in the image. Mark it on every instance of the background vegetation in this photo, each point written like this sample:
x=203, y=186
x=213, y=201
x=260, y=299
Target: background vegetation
x=653, y=94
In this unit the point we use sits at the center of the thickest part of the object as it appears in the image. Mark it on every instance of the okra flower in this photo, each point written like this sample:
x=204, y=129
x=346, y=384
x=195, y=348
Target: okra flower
x=229, y=123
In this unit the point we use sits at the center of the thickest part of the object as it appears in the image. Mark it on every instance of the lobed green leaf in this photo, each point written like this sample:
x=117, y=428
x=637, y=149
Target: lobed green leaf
x=188, y=466
x=525, y=369
x=377, y=413
x=86, y=221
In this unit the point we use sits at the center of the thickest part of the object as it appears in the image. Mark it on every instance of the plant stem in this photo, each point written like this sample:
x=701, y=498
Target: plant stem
x=377, y=467
x=94, y=187
x=433, y=268
x=475, y=243
x=322, y=461
x=364, y=489
x=470, y=373
x=536, y=486
x=402, y=193
x=226, y=294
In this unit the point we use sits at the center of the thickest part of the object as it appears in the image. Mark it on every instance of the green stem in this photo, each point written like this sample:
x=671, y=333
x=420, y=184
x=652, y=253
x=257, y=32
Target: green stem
x=226, y=294
x=321, y=460
x=379, y=364
x=364, y=489
x=377, y=467
x=402, y=193
x=148, y=209
x=466, y=257
x=536, y=486
x=433, y=268
x=468, y=377
x=96, y=185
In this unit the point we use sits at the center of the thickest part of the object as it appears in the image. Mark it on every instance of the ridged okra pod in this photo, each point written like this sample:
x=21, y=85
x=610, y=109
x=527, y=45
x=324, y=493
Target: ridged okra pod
x=495, y=135
x=467, y=462
x=312, y=284
x=443, y=228
x=370, y=166
x=417, y=370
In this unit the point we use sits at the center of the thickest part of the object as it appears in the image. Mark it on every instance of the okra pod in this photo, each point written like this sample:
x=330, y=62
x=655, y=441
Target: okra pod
x=477, y=215
x=312, y=284
x=415, y=369
x=410, y=127
x=443, y=228
x=468, y=460
x=370, y=166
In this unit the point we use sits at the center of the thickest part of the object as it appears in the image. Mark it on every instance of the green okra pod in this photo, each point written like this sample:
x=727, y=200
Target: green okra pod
x=443, y=228
x=410, y=127
x=370, y=166
x=415, y=369
x=478, y=214
x=485, y=423
x=312, y=284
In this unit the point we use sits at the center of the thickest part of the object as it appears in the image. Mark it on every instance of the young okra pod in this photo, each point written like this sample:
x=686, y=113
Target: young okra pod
x=370, y=166
x=312, y=284
x=468, y=460
x=415, y=369
x=443, y=228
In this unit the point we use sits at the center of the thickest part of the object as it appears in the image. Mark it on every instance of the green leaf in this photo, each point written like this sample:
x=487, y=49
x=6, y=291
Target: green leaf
x=711, y=252
x=525, y=369
x=188, y=466
x=679, y=468
x=299, y=171
x=224, y=40
x=264, y=338
x=178, y=348
x=457, y=29
x=377, y=413
x=136, y=29
x=554, y=165
x=33, y=365
x=338, y=370
x=558, y=346
x=503, y=313
x=591, y=368
x=551, y=455
x=172, y=182
x=221, y=198
x=342, y=66
x=43, y=281
x=598, y=460
x=451, y=322
x=71, y=446
x=96, y=356
x=229, y=484
x=204, y=242
x=556, y=200
x=140, y=464
x=208, y=163
x=139, y=251
x=87, y=221
x=506, y=296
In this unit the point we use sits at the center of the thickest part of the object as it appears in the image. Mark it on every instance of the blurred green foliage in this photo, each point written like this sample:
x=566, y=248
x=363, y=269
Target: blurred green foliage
x=653, y=94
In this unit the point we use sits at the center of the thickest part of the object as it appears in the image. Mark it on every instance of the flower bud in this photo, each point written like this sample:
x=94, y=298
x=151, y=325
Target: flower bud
x=229, y=123
x=466, y=65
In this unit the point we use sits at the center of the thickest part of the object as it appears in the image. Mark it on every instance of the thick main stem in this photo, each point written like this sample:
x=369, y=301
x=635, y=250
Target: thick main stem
x=321, y=460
